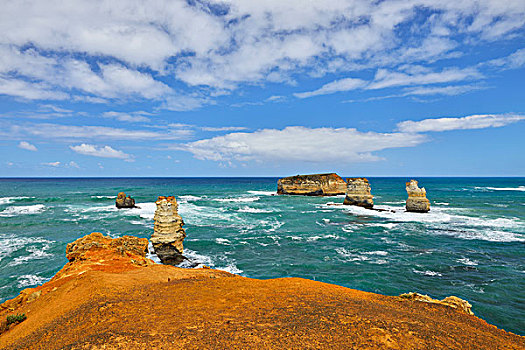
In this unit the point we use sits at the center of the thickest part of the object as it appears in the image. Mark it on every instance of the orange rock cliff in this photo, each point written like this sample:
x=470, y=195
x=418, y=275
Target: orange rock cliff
x=312, y=185
x=110, y=296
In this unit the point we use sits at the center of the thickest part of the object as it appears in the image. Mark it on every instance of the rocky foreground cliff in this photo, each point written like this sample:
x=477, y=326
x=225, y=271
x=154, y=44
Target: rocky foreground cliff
x=110, y=296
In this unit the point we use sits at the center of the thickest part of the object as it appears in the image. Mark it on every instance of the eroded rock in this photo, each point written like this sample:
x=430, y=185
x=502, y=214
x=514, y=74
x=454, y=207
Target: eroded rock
x=168, y=233
x=358, y=193
x=417, y=200
x=312, y=185
x=124, y=202
x=451, y=301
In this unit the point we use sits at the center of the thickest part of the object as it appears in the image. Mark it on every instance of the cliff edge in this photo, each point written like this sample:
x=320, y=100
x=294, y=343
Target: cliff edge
x=110, y=296
x=312, y=185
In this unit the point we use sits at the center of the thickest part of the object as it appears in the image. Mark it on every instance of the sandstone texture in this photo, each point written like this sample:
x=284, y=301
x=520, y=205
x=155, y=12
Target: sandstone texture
x=358, y=193
x=168, y=233
x=109, y=296
x=417, y=198
x=312, y=185
x=451, y=301
x=124, y=202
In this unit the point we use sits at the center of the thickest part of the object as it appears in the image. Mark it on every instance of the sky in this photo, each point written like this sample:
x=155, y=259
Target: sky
x=262, y=88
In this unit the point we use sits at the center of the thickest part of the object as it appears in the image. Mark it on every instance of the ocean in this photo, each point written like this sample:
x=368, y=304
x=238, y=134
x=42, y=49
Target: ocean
x=471, y=244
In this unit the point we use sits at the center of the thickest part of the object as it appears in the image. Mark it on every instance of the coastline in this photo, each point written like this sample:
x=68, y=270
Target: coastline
x=110, y=295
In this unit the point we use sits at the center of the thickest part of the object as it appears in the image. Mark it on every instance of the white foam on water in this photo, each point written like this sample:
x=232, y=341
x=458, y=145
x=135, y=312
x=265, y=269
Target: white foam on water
x=397, y=202
x=428, y=273
x=144, y=210
x=519, y=188
x=441, y=203
x=349, y=256
x=467, y=261
x=238, y=199
x=253, y=210
x=8, y=200
x=12, y=243
x=497, y=205
x=197, y=259
x=231, y=268
x=108, y=197
x=30, y=280
x=188, y=197
x=151, y=253
x=377, y=252
x=222, y=241
x=36, y=253
x=263, y=193
x=316, y=238
x=22, y=210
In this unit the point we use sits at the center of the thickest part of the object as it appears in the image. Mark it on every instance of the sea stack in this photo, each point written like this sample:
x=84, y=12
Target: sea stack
x=417, y=198
x=168, y=233
x=124, y=202
x=312, y=185
x=358, y=193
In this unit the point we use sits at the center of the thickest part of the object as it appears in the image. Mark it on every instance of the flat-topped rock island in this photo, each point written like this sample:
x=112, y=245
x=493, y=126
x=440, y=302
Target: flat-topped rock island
x=329, y=184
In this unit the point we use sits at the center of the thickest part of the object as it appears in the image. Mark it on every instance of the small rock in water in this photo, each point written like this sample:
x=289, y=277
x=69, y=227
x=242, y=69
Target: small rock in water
x=417, y=198
x=358, y=193
x=124, y=202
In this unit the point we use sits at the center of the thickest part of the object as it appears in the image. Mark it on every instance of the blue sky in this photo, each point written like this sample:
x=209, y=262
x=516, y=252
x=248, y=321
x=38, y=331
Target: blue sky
x=262, y=88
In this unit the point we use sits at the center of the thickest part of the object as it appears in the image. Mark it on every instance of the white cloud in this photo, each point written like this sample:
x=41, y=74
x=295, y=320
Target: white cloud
x=450, y=90
x=116, y=49
x=462, y=123
x=223, y=128
x=27, y=146
x=334, y=86
x=512, y=61
x=68, y=132
x=298, y=143
x=73, y=164
x=103, y=152
x=135, y=117
x=53, y=164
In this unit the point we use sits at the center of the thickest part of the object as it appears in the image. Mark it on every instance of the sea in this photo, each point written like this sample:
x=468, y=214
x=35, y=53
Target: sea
x=471, y=244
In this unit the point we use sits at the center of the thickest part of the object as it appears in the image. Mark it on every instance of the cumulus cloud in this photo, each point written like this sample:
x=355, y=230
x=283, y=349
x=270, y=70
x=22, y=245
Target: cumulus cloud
x=114, y=49
x=134, y=117
x=462, y=123
x=103, y=152
x=27, y=146
x=297, y=143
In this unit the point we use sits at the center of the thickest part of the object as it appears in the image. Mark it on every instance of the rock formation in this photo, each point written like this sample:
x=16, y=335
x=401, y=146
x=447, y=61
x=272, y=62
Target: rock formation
x=109, y=296
x=124, y=202
x=168, y=233
x=417, y=200
x=358, y=193
x=312, y=185
x=451, y=301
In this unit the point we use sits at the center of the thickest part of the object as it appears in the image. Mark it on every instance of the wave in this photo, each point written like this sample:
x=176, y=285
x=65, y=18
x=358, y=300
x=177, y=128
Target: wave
x=8, y=200
x=189, y=197
x=428, y=273
x=30, y=280
x=36, y=253
x=231, y=268
x=22, y=210
x=519, y=188
x=263, y=193
x=238, y=199
x=12, y=243
x=104, y=197
x=253, y=210
x=222, y=241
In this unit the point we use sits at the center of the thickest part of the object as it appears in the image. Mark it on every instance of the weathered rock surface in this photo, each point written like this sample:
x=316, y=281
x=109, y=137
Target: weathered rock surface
x=312, y=185
x=104, y=299
x=451, y=301
x=168, y=233
x=358, y=193
x=417, y=200
x=124, y=202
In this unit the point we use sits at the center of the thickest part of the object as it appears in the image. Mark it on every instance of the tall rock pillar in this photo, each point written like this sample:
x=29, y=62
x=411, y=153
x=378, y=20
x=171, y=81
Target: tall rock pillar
x=358, y=193
x=417, y=198
x=168, y=233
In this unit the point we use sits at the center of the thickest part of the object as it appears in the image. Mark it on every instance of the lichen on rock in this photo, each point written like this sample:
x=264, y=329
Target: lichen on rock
x=168, y=233
x=358, y=193
x=312, y=185
x=417, y=200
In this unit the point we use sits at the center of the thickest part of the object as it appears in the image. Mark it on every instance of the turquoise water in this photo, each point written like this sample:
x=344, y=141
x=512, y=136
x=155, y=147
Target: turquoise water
x=470, y=245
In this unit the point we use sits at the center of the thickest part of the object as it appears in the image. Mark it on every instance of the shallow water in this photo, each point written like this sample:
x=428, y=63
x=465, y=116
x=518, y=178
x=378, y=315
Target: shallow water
x=470, y=245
